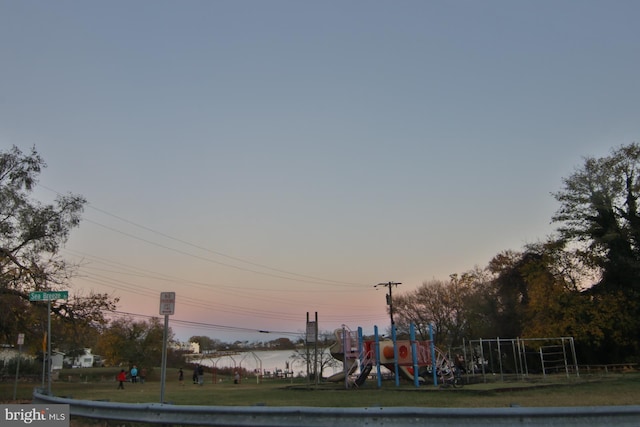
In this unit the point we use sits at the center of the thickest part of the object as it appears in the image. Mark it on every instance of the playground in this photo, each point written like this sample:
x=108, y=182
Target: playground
x=418, y=362
x=422, y=363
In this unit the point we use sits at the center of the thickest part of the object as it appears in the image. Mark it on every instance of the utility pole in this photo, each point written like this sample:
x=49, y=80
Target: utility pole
x=389, y=298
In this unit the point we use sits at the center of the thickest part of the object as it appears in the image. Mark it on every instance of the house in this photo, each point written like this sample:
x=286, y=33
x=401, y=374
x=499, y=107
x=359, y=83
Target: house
x=9, y=352
x=86, y=360
x=192, y=347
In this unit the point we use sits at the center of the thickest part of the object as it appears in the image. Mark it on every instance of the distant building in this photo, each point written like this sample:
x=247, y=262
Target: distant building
x=8, y=352
x=57, y=360
x=192, y=347
x=86, y=360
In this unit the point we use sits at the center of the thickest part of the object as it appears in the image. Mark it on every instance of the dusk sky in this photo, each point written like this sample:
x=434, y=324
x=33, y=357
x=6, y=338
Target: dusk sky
x=265, y=159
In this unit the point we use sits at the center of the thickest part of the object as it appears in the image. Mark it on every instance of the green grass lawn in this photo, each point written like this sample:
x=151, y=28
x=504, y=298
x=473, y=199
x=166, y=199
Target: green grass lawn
x=617, y=389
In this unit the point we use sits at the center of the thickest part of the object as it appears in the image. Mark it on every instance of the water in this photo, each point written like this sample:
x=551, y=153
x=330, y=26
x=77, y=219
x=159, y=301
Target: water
x=267, y=362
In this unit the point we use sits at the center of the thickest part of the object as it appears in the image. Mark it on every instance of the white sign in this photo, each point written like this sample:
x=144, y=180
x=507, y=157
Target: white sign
x=312, y=331
x=20, y=339
x=167, y=303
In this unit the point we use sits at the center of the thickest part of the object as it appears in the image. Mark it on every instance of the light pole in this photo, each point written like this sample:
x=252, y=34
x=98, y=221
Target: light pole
x=389, y=298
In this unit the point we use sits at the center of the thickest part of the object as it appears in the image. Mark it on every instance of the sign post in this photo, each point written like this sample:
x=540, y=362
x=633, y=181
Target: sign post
x=48, y=296
x=167, y=308
x=20, y=342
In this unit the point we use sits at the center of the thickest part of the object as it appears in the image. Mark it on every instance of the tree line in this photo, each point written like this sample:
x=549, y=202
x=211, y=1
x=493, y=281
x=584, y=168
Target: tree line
x=583, y=281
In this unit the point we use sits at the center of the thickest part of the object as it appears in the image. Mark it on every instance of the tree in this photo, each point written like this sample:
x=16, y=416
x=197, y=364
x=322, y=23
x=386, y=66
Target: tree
x=126, y=342
x=510, y=291
x=317, y=352
x=438, y=303
x=282, y=344
x=599, y=214
x=31, y=235
x=600, y=224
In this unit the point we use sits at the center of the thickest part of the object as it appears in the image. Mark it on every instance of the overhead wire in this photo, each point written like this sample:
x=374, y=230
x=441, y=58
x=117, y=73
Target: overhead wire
x=230, y=290
x=315, y=279
x=143, y=291
x=205, y=325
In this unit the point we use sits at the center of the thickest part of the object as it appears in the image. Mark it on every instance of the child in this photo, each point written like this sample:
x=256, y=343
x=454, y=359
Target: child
x=122, y=377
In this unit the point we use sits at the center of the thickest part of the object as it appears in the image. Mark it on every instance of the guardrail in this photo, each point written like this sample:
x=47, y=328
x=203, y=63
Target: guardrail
x=246, y=416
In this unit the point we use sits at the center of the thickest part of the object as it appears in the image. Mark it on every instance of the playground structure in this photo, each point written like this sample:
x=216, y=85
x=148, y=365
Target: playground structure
x=513, y=358
x=414, y=360
x=521, y=357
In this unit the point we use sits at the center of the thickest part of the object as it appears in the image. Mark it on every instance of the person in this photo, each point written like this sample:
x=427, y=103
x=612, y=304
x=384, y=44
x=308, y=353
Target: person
x=195, y=375
x=134, y=374
x=236, y=378
x=459, y=364
x=143, y=375
x=181, y=376
x=122, y=377
x=200, y=375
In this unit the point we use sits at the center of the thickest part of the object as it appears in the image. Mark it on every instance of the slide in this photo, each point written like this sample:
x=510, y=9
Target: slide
x=404, y=371
x=339, y=376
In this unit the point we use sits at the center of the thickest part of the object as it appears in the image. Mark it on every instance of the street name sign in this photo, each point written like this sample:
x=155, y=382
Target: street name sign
x=48, y=295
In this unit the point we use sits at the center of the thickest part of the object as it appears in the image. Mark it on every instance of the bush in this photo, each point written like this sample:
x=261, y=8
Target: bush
x=27, y=366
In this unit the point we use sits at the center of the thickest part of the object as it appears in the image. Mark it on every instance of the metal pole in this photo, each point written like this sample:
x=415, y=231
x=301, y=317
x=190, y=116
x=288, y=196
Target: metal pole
x=163, y=370
x=306, y=347
x=344, y=357
x=315, y=352
x=414, y=354
x=484, y=377
x=500, y=360
x=378, y=373
x=524, y=357
x=433, y=356
x=15, y=386
x=564, y=356
x=575, y=359
x=515, y=357
x=49, y=346
x=44, y=359
x=361, y=355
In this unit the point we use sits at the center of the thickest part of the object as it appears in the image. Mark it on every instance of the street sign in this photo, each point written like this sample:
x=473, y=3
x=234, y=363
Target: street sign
x=167, y=303
x=20, y=339
x=48, y=295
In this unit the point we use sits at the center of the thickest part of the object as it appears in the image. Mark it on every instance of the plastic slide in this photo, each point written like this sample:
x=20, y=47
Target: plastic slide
x=339, y=376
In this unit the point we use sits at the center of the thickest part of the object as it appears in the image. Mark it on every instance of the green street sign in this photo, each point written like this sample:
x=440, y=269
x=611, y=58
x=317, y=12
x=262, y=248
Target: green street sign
x=48, y=295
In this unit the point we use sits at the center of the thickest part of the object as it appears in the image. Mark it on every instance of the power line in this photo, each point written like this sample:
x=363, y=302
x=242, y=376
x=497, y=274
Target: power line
x=309, y=279
x=148, y=292
x=110, y=281
x=208, y=325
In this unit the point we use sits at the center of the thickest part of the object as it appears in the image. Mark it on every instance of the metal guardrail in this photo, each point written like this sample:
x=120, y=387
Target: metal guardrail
x=254, y=416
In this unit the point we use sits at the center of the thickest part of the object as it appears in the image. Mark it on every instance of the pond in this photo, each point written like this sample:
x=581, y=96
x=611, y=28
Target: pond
x=268, y=362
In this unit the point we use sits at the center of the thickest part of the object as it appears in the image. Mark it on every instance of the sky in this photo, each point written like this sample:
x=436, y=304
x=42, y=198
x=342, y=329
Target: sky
x=269, y=159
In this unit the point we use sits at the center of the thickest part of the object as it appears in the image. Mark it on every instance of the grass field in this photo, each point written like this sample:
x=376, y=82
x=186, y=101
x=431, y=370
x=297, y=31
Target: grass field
x=613, y=389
